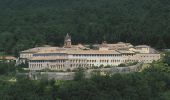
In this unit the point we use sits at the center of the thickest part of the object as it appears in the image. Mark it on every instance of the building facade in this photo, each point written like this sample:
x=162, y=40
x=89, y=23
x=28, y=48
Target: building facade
x=8, y=59
x=73, y=56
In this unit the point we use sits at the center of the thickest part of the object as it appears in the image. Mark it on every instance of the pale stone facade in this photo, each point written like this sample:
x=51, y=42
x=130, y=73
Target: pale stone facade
x=8, y=58
x=73, y=56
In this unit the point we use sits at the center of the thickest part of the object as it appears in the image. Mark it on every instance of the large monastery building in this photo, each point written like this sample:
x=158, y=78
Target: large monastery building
x=73, y=56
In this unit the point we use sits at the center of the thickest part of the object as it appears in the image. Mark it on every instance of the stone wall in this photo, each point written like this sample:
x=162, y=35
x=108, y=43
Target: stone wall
x=88, y=73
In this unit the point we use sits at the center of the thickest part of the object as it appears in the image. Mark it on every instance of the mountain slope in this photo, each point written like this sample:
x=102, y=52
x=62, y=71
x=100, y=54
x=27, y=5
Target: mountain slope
x=29, y=23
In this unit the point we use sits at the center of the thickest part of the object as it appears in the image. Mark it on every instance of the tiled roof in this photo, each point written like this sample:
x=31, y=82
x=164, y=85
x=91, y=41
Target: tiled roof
x=38, y=49
x=7, y=57
x=142, y=46
x=93, y=52
x=125, y=51
x=47, y=58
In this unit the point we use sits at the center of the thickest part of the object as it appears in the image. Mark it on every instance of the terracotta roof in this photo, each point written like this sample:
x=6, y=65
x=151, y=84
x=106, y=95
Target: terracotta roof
x=38, y=49
x=142, y=46
x=125, y=51
x=93, y=52
x=47, y=58
x=7, y=57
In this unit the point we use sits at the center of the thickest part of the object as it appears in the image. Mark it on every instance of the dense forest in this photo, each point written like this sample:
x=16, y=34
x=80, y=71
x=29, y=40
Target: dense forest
x=30, y=23
x=152, y=83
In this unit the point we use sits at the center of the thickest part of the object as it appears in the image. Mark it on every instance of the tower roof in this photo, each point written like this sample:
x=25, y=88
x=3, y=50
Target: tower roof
x=67, y=41
x=68, y=37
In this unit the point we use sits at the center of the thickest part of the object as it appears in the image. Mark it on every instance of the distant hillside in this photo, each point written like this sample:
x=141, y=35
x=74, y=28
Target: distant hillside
x=29, y=23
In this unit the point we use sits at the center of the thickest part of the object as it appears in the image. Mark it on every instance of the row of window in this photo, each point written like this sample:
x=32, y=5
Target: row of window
x=37, y=66
x=147, y=60
x=84, y=61
x=77, y=61
x=50, y=54
x=101, y=61
x=26, y=55
x=56, y=67
x=150, y=56
x=96, y=55
x=78, y=65
x=93, y=61
x=42, y=61
x=127, y=54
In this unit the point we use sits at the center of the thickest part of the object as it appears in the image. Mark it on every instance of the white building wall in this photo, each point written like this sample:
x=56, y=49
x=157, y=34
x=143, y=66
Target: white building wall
x=90, y=60
x=147, y=58
x=26, y=55
x=101, y=59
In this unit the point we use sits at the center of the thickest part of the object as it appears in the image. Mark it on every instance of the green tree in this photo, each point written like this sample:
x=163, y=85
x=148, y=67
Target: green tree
x=79, y=74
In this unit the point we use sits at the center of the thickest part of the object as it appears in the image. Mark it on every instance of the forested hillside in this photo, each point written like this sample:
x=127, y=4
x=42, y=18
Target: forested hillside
x=29, y=23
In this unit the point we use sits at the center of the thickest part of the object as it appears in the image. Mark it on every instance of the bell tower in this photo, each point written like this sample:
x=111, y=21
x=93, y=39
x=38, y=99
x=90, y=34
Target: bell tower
x=67, y=41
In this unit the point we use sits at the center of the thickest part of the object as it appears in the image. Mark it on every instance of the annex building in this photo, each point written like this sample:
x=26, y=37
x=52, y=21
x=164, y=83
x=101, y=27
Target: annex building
x=73, y=56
